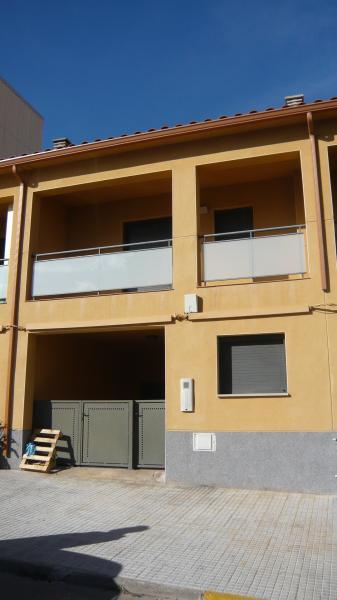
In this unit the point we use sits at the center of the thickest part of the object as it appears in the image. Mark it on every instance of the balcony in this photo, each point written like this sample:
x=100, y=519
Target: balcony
x=101, y=238
x=250, y=254
x=251, y=212
x=131, y=267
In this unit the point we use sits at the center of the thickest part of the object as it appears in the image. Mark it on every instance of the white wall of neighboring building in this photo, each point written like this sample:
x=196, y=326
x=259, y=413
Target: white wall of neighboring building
x=20, y=124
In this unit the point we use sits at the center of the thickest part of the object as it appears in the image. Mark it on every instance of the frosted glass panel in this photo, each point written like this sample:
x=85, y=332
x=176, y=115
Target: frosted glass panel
x=113, y=271
x=254, y=257
x=3, y=281
x=278, y=255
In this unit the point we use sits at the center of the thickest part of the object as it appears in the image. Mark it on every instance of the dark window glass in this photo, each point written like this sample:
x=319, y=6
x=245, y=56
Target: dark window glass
x=147, y=231
x=2, y=248
x=234, y=219
x=253, y=364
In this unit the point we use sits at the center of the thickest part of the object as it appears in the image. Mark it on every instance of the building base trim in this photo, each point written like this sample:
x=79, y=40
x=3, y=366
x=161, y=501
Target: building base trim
x=17, y=443
x=281, y=461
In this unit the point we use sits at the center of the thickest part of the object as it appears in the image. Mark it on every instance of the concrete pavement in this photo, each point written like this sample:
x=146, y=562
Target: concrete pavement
x=182, y=540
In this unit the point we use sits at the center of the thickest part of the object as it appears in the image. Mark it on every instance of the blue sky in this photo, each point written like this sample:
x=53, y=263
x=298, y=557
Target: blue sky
x=99, y=68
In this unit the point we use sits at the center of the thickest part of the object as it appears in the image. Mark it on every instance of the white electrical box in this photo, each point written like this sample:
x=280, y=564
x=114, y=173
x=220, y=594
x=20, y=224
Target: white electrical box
x=190, y=303
x=186, y=395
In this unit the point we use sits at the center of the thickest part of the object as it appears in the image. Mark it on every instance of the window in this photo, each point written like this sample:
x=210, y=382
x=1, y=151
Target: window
x=252, y=364
x=235, y=219
x=150, y=230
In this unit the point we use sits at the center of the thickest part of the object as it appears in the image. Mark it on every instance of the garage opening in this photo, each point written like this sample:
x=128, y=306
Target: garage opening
x=105, y=391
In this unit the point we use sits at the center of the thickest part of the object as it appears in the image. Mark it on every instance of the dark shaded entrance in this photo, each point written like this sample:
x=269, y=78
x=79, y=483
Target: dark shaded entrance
x=106, y=393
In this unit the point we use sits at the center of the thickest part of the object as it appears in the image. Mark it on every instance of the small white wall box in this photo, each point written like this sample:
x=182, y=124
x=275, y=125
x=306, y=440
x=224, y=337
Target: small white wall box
x=186, y=395
x=204, y=442
x=190, y=303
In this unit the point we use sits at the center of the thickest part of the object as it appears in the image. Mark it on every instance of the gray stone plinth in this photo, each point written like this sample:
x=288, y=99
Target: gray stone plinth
x=19, y=438
x=290, y=461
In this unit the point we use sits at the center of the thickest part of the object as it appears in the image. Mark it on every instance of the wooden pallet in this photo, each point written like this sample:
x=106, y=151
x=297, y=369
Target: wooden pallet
x=45, y=451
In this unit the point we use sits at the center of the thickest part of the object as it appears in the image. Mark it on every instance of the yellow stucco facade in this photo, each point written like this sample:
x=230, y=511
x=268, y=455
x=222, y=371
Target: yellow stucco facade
x=83, y=203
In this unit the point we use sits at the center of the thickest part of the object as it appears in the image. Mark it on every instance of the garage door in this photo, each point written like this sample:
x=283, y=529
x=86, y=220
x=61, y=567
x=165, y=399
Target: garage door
x=122, y=433
x=107, y=433
x=66, y=416
x=150, y=433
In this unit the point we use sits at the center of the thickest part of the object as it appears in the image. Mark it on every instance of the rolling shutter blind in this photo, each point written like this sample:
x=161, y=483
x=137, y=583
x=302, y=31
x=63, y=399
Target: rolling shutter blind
x=252, y=365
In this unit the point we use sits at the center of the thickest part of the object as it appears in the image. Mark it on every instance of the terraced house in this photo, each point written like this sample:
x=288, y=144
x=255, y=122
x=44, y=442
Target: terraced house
x=169, y=299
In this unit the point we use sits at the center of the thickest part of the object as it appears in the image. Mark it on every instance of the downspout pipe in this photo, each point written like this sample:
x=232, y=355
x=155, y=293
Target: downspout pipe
x=14, y=293
x=318, y=203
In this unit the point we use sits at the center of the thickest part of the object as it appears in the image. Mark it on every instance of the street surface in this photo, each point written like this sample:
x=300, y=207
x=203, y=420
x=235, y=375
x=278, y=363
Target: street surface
x=275, y=546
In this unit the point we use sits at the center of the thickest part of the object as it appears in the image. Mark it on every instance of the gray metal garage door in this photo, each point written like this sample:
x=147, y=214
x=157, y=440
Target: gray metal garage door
x=122, y=433
x=150, y=433
x=107, y=433
x=65, y=416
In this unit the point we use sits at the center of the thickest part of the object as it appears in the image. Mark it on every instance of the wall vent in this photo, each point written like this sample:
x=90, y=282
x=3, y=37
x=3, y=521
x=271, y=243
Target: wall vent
x=295, y=100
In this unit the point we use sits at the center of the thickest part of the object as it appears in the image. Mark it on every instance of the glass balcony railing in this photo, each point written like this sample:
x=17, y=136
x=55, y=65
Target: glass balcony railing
x=254, y=253
x=141, y=266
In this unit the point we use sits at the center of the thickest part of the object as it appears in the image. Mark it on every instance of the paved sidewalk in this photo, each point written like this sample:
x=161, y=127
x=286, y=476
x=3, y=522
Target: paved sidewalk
x=268, y=545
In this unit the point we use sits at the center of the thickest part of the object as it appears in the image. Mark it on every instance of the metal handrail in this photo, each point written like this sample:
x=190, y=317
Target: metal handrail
x=251, y=231
x=98, y=249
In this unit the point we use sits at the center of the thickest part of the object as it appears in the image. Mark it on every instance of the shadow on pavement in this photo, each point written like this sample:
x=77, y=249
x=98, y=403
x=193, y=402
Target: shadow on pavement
x=52, y=558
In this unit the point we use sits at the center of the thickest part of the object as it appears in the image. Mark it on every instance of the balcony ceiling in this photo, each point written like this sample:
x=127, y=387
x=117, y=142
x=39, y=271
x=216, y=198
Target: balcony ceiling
x=126, y=188
x=246, y=170
x=121, y=338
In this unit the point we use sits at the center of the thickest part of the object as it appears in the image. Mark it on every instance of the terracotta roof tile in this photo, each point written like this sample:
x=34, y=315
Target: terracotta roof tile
x=168, y=127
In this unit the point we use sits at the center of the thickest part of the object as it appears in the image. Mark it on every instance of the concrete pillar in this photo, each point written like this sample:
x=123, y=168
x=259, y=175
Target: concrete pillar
x=23, y=397
x=185, y=224
x=310, y=216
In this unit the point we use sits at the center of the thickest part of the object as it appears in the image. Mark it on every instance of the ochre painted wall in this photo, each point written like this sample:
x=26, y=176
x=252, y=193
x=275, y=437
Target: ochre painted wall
x=273, y=202
x=307, y=407
x=234, y=308
x=65, y=227
x=9, y=194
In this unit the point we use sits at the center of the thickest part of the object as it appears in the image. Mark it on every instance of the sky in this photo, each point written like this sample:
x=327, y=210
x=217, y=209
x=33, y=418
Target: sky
x=98, y=68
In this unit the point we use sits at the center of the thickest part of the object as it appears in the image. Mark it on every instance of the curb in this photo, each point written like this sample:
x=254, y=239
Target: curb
x=219, y=596
x=134, y=587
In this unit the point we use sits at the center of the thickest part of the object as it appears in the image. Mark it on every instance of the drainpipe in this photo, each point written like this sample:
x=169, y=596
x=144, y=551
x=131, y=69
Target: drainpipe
x=15, y=271
x=318, y=203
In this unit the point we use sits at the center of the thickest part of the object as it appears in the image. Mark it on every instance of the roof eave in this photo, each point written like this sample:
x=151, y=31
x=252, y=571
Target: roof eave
x=171, y=135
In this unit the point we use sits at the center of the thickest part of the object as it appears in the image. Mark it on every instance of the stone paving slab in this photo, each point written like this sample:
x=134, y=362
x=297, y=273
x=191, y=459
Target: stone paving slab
x=268, y=545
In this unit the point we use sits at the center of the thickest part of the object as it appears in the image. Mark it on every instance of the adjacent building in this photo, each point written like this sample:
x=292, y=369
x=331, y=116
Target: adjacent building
x=169, y=299
x=20, y=124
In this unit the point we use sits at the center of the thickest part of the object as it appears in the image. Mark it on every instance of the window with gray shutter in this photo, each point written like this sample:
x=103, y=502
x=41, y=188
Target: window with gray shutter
x=253, y=364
